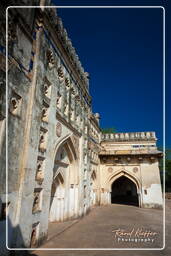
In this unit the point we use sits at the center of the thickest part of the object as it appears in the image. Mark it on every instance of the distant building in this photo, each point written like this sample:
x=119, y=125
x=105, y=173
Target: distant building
x=59, y=162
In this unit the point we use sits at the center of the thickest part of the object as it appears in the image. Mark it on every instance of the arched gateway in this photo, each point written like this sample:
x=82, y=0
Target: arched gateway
x=123, y=188
x=124, y=191
x=63, y=201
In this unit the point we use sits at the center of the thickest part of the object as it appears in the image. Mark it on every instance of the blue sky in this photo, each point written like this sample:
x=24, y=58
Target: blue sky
x=122, y=51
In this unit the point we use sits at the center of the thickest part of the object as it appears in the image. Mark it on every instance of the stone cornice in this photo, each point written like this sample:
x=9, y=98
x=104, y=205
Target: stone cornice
x=129, y=153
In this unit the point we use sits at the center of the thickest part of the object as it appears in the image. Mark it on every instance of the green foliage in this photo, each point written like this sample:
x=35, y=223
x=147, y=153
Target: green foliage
x=168, y=175
x=167, y=170
x=108, y=130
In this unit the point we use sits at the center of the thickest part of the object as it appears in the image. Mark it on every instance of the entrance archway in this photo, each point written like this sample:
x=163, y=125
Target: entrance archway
x=124, y=191
x=63, y=189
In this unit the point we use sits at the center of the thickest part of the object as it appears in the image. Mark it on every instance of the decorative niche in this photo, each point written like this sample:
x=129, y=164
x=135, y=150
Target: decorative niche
x=40, y=170
x=47, y=87
x=50, y=58
x=60, y=74
x=45, y=112
x=34, y=235
x=67, y=82
x=43, y=139
x=15, y=104
x=37, y=200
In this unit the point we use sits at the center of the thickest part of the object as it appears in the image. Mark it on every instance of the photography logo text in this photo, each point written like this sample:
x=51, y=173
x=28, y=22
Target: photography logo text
x=136, y=235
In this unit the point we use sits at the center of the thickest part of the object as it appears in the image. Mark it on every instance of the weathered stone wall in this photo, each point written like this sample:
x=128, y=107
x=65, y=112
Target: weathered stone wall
x=151, y=185
x=48, y=110
x=18, y=91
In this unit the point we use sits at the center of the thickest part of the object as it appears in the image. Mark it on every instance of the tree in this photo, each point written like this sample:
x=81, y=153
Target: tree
x=108, y=130
x=167, y=170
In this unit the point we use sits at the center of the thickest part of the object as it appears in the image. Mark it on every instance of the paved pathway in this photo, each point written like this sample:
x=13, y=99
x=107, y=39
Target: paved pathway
x=95, y=231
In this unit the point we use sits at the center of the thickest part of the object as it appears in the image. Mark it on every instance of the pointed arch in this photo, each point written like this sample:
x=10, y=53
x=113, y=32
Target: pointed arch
x=67, y=143
x=59, y=177
x=119, y=174
x=124, y=191
x=64, y=181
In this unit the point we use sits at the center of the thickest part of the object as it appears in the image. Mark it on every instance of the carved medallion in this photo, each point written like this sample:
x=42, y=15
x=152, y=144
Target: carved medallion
x=110, y=169
x=58, y=129
x=135, y=169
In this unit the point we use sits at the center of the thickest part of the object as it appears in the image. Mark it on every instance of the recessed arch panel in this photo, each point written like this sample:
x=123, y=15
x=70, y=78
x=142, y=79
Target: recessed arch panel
x=124, y=191
x=125, y=173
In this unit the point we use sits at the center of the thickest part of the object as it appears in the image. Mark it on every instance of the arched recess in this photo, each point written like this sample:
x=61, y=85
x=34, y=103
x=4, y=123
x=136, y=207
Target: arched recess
x=121, y=177
x=65, y=177
x=70, y=158
x=93, y=189
x=57, y=199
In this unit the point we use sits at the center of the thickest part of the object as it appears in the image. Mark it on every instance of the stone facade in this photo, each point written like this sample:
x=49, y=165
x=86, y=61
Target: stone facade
x=59, y=164
x=134, y=156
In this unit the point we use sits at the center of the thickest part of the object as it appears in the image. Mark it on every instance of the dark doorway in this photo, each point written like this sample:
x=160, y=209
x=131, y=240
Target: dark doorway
x=124, y=191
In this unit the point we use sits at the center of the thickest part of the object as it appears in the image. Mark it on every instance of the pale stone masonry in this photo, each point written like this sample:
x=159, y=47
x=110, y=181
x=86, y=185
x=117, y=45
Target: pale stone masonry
x=135, y=156
x=59, y=163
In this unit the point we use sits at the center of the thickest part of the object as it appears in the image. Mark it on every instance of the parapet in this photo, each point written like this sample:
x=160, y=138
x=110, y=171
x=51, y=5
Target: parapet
x=129, y=136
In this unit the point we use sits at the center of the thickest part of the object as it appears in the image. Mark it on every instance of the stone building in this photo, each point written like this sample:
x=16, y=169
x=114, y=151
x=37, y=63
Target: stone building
x=129, y=169
x=59, y=164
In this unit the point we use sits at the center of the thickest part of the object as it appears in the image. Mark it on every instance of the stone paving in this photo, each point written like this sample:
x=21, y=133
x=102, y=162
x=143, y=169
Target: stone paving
x=55, y=229
x=95, y=231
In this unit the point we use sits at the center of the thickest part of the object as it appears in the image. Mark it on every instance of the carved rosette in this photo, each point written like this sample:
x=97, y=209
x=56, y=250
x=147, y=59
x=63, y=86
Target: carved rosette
x=110, y=169
x=58, y=129
x=135, y=169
